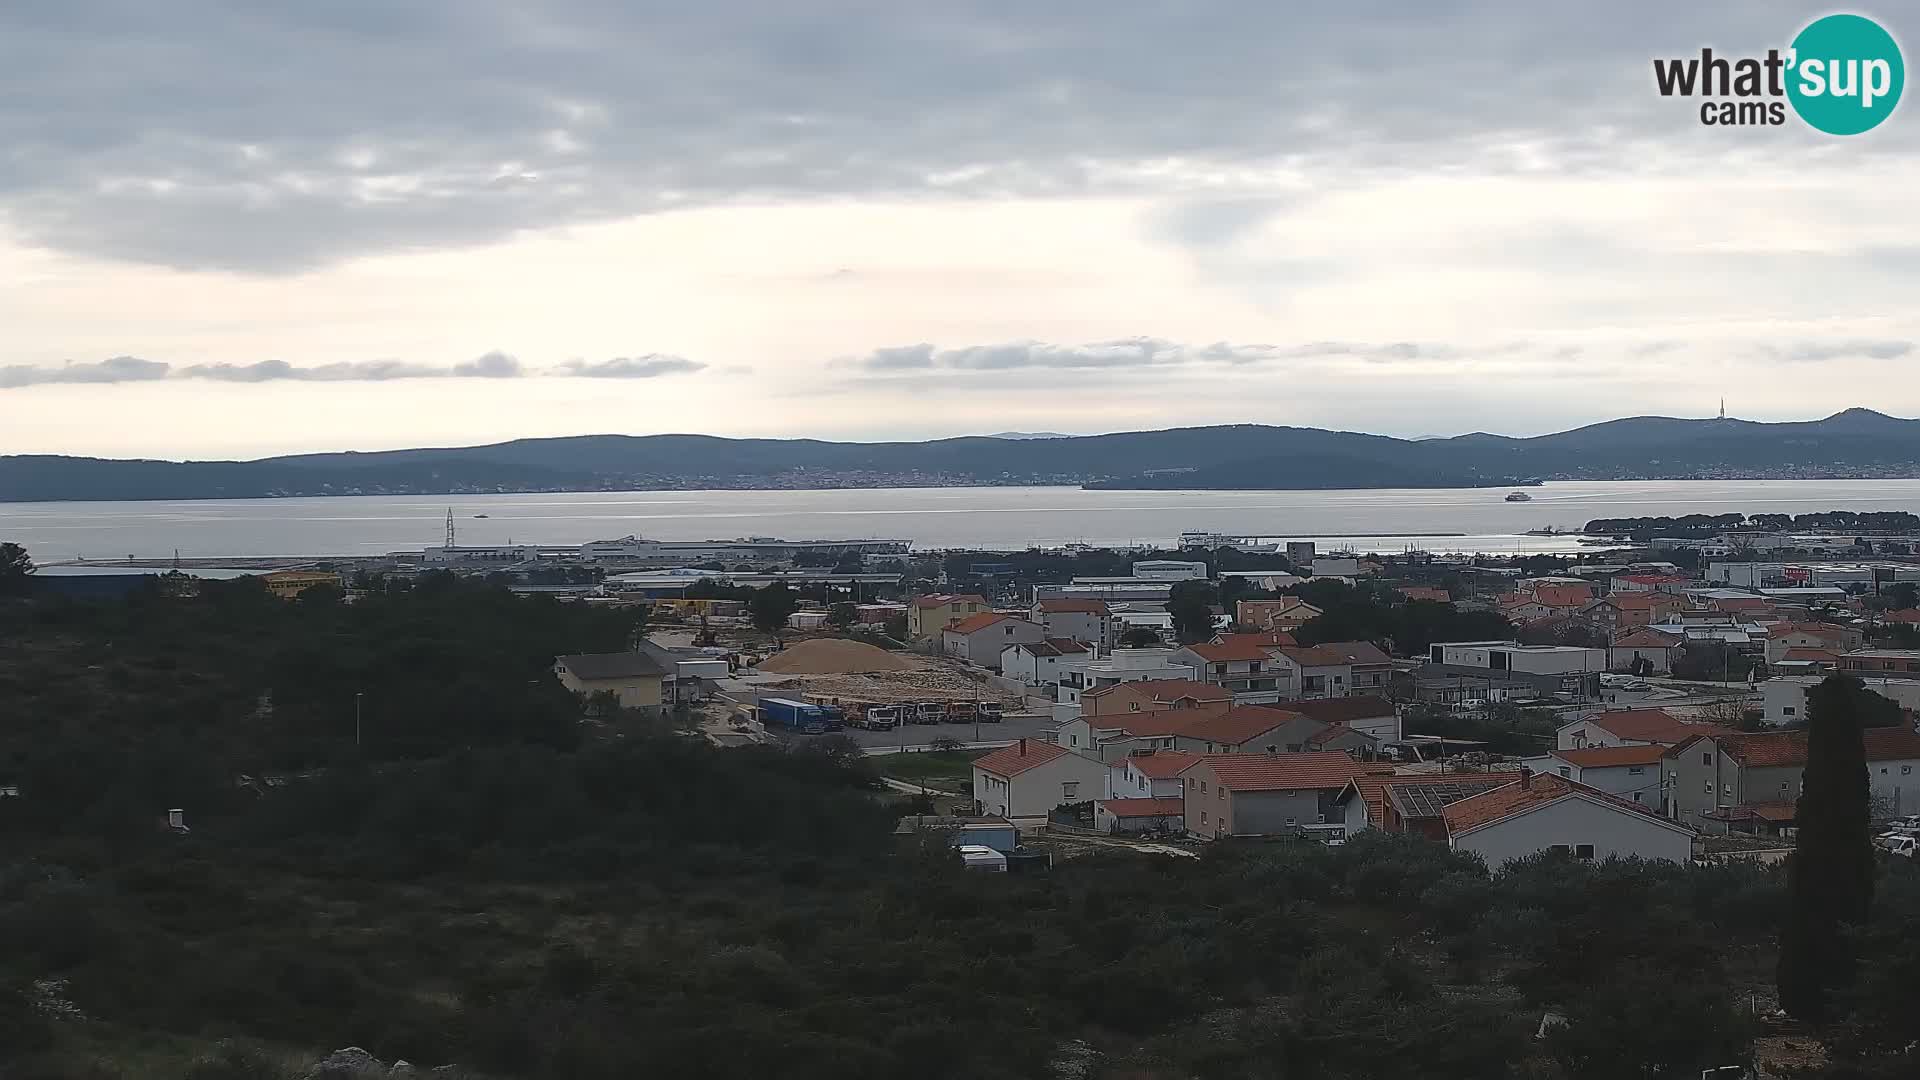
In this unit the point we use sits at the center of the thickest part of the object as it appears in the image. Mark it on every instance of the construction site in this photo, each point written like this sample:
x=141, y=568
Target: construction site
x=837, y=670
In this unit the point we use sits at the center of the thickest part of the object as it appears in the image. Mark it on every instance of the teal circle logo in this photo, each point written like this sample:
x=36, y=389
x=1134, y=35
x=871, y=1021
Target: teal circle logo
x=1845, y=74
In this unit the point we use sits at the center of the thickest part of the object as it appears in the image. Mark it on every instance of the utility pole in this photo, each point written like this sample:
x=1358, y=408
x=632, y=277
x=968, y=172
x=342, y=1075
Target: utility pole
x=357, y=695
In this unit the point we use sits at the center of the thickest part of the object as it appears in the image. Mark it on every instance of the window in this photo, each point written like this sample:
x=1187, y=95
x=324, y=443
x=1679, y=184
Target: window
x=1583, y=851
x=1289, y=822
x=1636, y=770
x=1073, y=740
x=1069, y=789
x=1564, y=771
x=1706, y=758
x=1726, y=790
x=1906, y=770
x=1709, y=787
x=1203, y=817
x=1203, y=787
x=1220, y=793
x=1134, y=705
x=1558, y=849
x=1636, y=796
x=1787, y=711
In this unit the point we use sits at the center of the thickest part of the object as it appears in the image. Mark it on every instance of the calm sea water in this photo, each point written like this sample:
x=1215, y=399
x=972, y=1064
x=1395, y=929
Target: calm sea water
x=930, y=517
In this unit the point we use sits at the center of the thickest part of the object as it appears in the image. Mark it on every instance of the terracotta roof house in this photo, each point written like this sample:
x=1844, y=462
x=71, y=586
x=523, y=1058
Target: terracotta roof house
x=1248, y=729
x=1119, y=720
x=1623, y=727
x=1785, y=636
x=1708, y=775
x=1551, y=813
x=1139, y=815
x=928, y=615
x=1044, y=663
x=1264, y=794
x=1423, y=592
x=980, y=639
x=1082, y=620
x=1411, y=804
x=1644, y=649
x=1339, y=668
x=1147, y=774
x=1031, y=777
x=1902, y=616
x=1631, y=772
x=1285, y=613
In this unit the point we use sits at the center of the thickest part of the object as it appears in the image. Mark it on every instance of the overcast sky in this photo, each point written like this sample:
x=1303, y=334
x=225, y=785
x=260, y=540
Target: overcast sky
x=240, y=228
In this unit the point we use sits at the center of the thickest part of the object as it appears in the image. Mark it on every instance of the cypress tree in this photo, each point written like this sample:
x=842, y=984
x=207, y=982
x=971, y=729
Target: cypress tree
x=1830, y=879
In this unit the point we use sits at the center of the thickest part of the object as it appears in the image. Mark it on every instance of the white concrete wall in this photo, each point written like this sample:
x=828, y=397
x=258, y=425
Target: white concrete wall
x=1572, y=821
x=1036, y=791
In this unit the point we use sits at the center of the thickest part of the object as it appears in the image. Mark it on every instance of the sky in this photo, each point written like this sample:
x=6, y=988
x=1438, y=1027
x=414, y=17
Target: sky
x=240, y=229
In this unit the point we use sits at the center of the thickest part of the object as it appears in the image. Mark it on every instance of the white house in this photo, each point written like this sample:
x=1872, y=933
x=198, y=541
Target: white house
x=1124, y=666
x=1629, y=727
x=1630, y=772
x=1644, y=643
x=1031, y=777
x=979, y=639
x=1551, y=813
x=1169, y=570
x=1045, y=663
x=1784, y=697
x=1251, y=673
x=1150, y=774
x=1086, y=621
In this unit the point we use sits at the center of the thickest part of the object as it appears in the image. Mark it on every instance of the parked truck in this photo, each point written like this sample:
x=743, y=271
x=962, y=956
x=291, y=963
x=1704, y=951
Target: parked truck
x=801, y=717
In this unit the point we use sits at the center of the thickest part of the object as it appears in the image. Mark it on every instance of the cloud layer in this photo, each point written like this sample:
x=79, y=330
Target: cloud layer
x=178, y=134
x=493, y=365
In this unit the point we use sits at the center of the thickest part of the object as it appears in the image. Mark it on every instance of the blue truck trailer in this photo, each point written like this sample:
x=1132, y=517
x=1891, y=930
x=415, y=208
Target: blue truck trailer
x=801, y=717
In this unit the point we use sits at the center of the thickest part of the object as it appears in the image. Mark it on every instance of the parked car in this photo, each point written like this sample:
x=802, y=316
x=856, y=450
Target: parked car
x=1902, y=846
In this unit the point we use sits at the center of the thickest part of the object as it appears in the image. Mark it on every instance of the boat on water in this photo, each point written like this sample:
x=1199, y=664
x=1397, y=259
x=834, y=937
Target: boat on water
x=638, y=547
x=1519, y=496
x=478, y=516
x=1220, y=540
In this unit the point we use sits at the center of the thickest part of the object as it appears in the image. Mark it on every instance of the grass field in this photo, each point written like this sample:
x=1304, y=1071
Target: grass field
x=952, y=769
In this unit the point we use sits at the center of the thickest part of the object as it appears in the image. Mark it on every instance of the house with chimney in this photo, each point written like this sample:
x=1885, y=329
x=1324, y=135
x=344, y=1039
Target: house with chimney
x=1263, y=794
x=1029, y=778
x=1086, y=621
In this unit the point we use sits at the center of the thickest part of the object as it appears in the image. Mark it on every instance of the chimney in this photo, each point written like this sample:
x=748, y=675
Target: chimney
x=1526, y=777
x=1023, y=747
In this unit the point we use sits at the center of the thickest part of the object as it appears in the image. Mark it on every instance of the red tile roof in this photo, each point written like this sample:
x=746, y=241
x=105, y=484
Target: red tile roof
x=1170, y=806
x=1819, y=656
x=1651, y=725
x=1740, y=603
x=1789, y=748
x=1152, y=722
x=1422, y=592
x=1562, y=595
x=973, y=623
x=1266, y=639
x=1373, y=789
x=1281, y=772
x=1343, y=710
x=1162, y=690
x=943, y=599
x=1904, y=615
x=1788, y=629
x=1055, y=607
x=1644, y=638
x=1235, y=726
x=1630, y=600
x=1653, y=579
x=1229, y=649
x=1606, y=757
x=1336, y=653
x=1161, y=764
x=1023, y=755
x=1530, y=793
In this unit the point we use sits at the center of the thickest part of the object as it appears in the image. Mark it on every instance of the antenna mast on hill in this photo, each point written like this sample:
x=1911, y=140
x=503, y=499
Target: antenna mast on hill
x=449, y=528
x=1723, y=408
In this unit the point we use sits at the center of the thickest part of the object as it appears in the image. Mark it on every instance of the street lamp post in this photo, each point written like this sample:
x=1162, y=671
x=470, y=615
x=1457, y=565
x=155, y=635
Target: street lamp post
x=357, y=696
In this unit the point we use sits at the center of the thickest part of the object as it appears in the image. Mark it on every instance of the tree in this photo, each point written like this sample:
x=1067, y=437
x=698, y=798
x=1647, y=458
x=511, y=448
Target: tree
x=1830, y=878
x=1139, y=637
x=897, y=627
x=842, y=615
x=1901, y=594
x=771, y=607
x=15, y=568
x=1191, y=605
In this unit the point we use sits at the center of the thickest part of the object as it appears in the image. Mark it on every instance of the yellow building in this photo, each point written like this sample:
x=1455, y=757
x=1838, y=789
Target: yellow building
x=636, y=678
x=928, y=615
x=287, y=584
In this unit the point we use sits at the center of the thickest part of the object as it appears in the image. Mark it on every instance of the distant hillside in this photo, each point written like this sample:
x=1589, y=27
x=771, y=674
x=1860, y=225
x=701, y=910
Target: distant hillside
x=1854, y=443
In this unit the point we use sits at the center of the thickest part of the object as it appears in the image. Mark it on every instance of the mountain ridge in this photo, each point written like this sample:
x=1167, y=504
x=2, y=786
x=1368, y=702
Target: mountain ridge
x=1852, y=442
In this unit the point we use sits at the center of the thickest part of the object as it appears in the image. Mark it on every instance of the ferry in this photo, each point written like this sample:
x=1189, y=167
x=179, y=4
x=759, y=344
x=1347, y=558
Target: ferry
x=761, y=547
x=1519, y=496
x=1219, y=540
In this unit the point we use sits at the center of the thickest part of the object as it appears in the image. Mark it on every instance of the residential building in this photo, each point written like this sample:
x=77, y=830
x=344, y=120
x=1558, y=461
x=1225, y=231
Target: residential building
x=637, y=678
x=1631, y=772
x=1044, y=663
x=1372, y=715
x=1447, y=684
x=1263, y=794
x=1139, y=815
x=1154, y=695
x=980, y=639
x=1423, y=592
x=1630, y=727
x=1881, y=663
x=1817, y=662
x=1709, y=776
x=1410, y=804
x=1086, y=621
x=1830, y=637
x=1551, y=813
x=1784, y=697
x=1147, y=774
x=1134, y=717
x=1287, y=613
x=1658, y=650
x=1030, y=778
x=1244, y=668
x=1249, y=729
x=1125, y=666
x=1339, y=668
x=928, y=615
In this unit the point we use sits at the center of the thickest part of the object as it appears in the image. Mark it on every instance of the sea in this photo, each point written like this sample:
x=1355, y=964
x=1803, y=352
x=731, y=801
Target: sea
x=1439, y=520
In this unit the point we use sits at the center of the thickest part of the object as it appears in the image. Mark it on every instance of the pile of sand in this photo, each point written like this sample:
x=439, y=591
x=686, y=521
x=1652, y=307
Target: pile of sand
x=833, y=656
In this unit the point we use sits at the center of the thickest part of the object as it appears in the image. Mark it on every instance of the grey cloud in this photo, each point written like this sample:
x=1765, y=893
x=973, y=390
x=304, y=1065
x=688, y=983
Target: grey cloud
x=181, y=135
x=1817, y=351
x=493, y=365
x=118, y=369
x=649, y=366
x=1126, y=353
x=344, y=371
